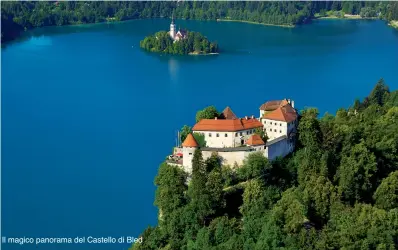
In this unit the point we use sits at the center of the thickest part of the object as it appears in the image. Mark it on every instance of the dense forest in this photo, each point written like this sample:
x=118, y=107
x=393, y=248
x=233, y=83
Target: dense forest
x=337, y=190
x=17, y=16
x=195, y=43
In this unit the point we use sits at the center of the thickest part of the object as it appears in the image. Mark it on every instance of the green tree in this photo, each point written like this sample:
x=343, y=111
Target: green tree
x=386, y=195
x=200, y=197
x=256, y=165
x=319, y=194
x=379, y=93
x=200, y=139
x=207, y=113
x=355, y=174
x=184, y=132
x=308, y=128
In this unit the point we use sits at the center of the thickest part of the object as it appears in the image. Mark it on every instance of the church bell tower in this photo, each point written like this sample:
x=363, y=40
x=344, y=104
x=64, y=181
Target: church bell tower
x=172, y=28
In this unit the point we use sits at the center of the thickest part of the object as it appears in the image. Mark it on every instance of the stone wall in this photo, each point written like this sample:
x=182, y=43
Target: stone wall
x=228, y=157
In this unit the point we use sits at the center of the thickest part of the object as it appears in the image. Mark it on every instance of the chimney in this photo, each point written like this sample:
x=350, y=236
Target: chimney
x=292, y=104
x=215, y=118
x=246, y=117
x=252, y=116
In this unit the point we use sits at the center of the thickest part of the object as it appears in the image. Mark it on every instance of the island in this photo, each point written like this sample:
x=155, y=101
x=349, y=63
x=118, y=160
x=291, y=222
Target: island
x=181, y=42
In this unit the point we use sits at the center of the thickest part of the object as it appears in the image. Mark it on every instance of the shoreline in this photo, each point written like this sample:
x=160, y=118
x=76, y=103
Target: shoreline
x=347, y=17
x=202, y=54
x=250, y=22
x=393, y=23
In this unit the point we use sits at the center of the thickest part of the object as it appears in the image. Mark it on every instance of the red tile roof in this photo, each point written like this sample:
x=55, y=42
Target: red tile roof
x=228, y=114
x=190, y=141
x=227, y=125
x=286, y=114
x=272, y=105
x=255, y=140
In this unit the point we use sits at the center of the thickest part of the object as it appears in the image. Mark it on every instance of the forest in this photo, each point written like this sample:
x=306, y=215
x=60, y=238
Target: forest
x=337, y=190
x=17, y=16
x=195, y=43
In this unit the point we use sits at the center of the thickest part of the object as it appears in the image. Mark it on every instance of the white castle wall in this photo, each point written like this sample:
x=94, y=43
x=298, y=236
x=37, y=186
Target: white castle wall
x=279, y=147
x=225, y=139
x=274, y=129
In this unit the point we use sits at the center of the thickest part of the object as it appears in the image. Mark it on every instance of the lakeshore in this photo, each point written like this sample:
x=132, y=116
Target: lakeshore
x=394, y=24
x=257, y=23
x=202, y=54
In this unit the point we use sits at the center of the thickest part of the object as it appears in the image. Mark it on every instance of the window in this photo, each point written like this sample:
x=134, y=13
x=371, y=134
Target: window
x=271, y=123
x=247, y=132
x=264, y=147
x=280, y=131
x=240, y=133
x=226, y=135
x=190, y=153
x=274, y=130
x=270, y=129
x=209, y=134
x=236, y=134
x=280, y=124
x=217, y=135
x=265, y=122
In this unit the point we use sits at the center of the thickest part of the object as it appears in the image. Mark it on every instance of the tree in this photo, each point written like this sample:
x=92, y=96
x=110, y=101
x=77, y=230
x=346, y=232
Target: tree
x=207, y=113
x=379, y=93
x=256, y=165
x=355, y=174
x=367, y=12
x=308, y=128
x=386, y=195
x=184, y=132
x=200, y=139
x=253, y=208
x=319, y=194
x=360, y=227
x=200, y=197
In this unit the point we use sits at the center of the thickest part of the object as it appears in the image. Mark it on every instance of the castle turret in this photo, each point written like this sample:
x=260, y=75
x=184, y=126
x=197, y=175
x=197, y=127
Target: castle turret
x=172, y=28
x=189, y=147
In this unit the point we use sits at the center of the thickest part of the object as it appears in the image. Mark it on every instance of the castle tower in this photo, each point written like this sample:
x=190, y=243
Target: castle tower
x=188, y=149
x=172, y=28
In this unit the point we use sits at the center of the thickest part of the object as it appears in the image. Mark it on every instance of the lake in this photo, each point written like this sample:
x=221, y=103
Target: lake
x=87, y=116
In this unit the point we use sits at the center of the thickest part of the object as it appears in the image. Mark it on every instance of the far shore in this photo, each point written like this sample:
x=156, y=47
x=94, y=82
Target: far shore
x=265, y=24
x=346, y=16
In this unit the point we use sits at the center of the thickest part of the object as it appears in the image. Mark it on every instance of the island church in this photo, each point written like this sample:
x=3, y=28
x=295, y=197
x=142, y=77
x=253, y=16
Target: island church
x=176, y=35
x=233, y=138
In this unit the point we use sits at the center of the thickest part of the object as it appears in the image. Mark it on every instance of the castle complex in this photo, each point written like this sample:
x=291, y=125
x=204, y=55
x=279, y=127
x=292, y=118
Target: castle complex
x=233, y=138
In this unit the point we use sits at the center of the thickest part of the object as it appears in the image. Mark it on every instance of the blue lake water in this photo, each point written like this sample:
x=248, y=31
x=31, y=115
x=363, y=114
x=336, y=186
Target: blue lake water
x=87, y=117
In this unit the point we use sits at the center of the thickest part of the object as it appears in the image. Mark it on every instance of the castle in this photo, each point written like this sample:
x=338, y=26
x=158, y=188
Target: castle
x=233, y=138
x=176, y=35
